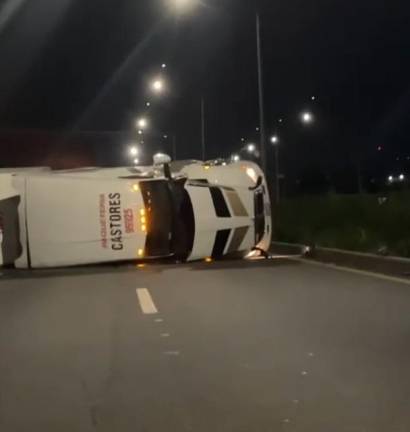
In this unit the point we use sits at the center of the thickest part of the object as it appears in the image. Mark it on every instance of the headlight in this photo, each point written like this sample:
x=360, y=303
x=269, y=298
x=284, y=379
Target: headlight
x=251, y=173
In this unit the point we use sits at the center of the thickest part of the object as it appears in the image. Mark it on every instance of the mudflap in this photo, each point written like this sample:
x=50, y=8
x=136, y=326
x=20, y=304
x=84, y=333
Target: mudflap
x=11, y=248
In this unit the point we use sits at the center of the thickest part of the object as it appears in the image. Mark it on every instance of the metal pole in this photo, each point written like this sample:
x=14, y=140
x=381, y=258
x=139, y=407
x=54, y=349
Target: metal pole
x=261, y=94
x=203, y=143
x=174, y=147
x=277, y=179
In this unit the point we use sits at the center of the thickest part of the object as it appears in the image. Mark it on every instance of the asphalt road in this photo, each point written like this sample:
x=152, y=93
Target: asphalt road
x=265, y=346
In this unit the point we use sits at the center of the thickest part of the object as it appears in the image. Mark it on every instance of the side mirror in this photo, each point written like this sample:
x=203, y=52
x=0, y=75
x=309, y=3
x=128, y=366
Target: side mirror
x=161, y=159
x=258, y=184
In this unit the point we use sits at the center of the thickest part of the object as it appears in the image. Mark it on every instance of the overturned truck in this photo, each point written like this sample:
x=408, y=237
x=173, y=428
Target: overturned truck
x=183, y=211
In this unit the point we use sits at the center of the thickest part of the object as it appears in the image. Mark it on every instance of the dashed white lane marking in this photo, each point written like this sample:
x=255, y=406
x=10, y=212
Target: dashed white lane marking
x=355, y=271
x=165, y=335
x=146, y=303
x=171, y=353
x=158, y=320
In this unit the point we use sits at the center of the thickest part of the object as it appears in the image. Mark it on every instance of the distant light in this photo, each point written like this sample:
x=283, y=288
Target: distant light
x=208, y=259
x=148, y=104
x=140, y=132
x=223, y=163
x=401, y=177
x=142, y=212
x=280, y=120
x=136, y=161
x=243, y=139
x=274, y=139
x=165, y=136
x=257, y=129
x=307, y=117
x=207, y=167
x=143, y=228
x=390, y=179
x=134, y=151
x=380, y=148
x=136, y=187
x=251, y=148
x=140, y=252
x=163, y=66
x=142, y=123
x=157, y=85
x=236, y=158
x=397, y=158
x=313, y=98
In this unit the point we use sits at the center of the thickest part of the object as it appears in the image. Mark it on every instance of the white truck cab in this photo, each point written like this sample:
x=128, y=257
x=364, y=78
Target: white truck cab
x=53, y=219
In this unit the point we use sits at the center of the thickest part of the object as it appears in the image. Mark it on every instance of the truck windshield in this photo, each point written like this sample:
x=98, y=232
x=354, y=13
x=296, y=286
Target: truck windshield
x=170, y=219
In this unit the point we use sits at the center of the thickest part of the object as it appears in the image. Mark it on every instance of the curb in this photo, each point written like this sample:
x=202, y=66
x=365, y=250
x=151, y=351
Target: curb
x=389, y=265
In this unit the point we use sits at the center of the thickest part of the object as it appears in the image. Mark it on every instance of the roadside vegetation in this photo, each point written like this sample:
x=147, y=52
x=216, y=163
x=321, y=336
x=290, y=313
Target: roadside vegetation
x=366, y=223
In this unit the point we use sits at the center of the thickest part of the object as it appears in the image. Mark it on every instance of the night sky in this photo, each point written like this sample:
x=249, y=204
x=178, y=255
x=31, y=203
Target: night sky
x=83, y=65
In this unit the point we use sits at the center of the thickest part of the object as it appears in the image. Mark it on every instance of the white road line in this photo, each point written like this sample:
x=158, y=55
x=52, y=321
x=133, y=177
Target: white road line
x=355, y=271
x=146, y=302
x=171, y=353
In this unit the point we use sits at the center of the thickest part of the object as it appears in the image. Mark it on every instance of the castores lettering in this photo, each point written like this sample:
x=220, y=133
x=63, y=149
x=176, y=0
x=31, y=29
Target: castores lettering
x=114, y=211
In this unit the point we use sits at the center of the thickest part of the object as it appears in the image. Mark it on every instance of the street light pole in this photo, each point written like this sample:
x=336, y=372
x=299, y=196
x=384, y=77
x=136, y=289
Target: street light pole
x=275, y=140
x=174, y=147
x=261, y=95
x=277, y=179
x=203, y=143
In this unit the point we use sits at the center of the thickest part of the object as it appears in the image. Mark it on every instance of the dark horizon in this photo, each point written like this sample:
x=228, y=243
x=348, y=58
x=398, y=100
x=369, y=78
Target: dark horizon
x=86, y=67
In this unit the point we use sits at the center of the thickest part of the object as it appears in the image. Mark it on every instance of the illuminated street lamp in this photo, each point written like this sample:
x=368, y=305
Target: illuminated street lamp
x=274, y=139
x=306, y=117
x=142, y=123
x=182, y=6
x=134, y=151
x=402, y=177
x=136, y=161
x=158, y=86
x=251, y=148
x=235, y=158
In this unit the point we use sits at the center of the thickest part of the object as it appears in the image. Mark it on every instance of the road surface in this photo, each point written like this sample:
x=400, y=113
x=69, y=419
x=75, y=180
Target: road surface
x=265, y=346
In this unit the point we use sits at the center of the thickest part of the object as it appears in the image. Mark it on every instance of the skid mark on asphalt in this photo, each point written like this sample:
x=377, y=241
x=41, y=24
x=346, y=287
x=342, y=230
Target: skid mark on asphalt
x=146, y=303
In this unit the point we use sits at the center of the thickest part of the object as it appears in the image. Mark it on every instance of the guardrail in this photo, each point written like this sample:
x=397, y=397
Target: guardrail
x=390, y=265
